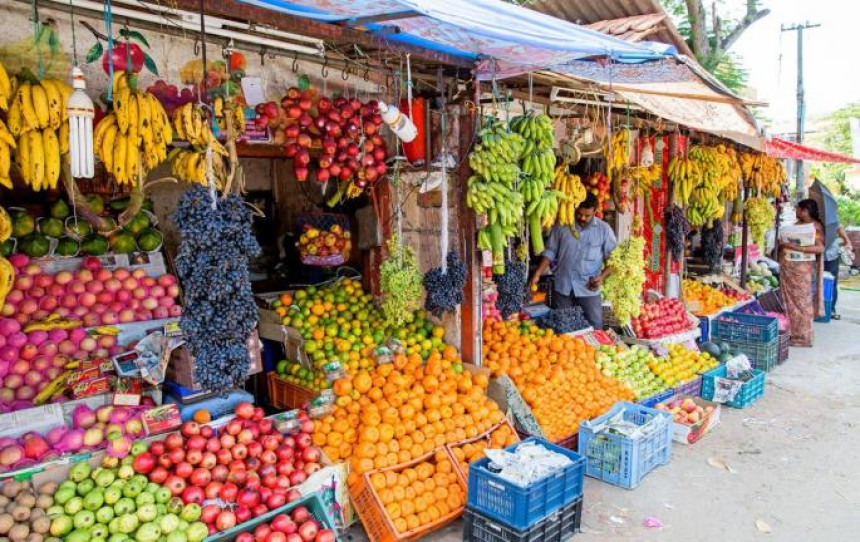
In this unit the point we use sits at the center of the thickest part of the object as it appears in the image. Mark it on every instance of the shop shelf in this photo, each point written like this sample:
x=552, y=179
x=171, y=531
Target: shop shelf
x=557, y=527
x=620, y=460
x=750, y=392
x=521, y=507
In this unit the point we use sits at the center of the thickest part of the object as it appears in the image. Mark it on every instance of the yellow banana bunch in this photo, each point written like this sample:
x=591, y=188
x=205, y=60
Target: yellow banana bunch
x=571, y=186
x=646, y=177
x=617, y=152
x=7, y=278
x=192, y=126
x=36, y=122
x=133, y=138
x=5, y=88
x=684, y=174
x=190, y=166
x=763, y=174
x=222, y=109
x=54, y=388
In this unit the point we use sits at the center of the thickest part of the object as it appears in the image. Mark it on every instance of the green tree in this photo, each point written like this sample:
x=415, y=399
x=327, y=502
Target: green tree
x=711, y=35
x=835, y=136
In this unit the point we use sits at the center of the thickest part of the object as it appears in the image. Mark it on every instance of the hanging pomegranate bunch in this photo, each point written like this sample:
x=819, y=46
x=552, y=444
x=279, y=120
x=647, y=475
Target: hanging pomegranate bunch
x=340, y=137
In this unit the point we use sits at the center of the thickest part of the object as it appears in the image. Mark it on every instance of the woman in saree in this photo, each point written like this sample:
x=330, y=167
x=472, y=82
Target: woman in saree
x=796, y=276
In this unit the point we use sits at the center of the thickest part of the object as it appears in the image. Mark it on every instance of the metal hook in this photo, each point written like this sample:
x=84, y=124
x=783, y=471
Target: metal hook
x=344, y=74
x=366, y=75
x=324, y=69
x=296, y=63
x=196, y=46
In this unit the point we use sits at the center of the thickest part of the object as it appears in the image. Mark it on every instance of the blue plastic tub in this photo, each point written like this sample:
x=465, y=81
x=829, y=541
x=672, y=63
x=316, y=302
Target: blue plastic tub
x=521, y=507
x=737, y=326
x=620, y=460
x=828, y=312
x=751, y=391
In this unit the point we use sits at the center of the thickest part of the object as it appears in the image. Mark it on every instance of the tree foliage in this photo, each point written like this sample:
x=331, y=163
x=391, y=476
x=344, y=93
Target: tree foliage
x=712, y=33
x=835, y=136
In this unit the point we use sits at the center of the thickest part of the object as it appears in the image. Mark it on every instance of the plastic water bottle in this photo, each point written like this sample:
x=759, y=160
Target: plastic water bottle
x=399, y=123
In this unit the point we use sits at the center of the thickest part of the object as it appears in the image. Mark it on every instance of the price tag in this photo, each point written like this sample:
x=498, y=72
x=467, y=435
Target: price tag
x=334, y=371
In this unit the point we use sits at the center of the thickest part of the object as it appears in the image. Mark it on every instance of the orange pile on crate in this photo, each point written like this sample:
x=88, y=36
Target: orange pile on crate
x=474, y=449
x=399, y=411
x=703, y=299
x=420, y=494
x=556, y=375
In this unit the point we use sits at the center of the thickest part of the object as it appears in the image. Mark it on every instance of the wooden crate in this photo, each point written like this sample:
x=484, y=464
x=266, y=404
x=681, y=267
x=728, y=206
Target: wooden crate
x=286, y=395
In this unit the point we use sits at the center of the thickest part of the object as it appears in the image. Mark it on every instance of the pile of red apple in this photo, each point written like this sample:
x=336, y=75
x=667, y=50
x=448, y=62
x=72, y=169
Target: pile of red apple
x=660, y=318
x=340, y=137
x=297, y=526
x=247, y=463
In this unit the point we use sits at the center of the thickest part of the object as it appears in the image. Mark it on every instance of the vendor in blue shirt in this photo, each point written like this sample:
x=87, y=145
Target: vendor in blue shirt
x=579, y=252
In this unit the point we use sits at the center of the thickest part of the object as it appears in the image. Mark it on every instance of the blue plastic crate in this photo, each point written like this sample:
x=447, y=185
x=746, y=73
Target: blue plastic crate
x=313, y=502
x=691, y=387
x=763, y=356
x=704, y=328
x=658, y=398
x=521, y=507
x=751, y=391
x=620, y=460
x=557, y=527
x=737, y=326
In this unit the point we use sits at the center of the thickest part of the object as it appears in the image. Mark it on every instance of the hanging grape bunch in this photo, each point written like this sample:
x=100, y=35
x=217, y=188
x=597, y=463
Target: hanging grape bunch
x=399, y=283
x=212, y=265
x=445, y=291
x=511, y=286
x=623, y=287
x=713, y=239
x=564, y=320
x=677, y=229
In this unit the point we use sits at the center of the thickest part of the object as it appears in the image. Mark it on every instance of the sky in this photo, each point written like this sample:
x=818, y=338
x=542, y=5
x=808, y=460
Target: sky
x=831, y=76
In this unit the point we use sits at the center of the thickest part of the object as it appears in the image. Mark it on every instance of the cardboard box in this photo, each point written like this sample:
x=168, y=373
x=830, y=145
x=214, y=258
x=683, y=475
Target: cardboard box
x=688, y=434
x=181, y=366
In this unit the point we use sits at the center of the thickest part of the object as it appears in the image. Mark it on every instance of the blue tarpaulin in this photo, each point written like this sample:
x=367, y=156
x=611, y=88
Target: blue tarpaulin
x=510, y=39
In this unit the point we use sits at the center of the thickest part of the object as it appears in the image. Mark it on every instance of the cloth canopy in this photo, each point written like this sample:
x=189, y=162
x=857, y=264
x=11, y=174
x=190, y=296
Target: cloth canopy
x=780, y=148
x=517, y=39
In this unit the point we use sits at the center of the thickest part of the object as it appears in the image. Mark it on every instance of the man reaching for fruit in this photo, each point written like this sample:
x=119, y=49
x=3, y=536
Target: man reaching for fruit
x=579, y=251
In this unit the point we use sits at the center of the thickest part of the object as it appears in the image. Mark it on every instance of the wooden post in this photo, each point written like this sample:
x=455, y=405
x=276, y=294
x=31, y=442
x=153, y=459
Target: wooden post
x=470, y=314
x=744, y=242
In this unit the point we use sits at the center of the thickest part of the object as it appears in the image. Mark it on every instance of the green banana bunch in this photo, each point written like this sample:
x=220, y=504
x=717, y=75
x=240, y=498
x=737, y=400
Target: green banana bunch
x=536, y=129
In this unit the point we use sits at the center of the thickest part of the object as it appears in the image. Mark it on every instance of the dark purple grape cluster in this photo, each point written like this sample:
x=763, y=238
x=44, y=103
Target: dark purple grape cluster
x=212, y=264
x=677, y=229
x=564, y=320
x=445, y=291
x=713, y=241
x=511, y=286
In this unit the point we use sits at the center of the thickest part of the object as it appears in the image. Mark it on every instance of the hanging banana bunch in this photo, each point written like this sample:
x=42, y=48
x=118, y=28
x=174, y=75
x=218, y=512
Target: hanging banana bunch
x=36, y=129
x=220, y=111
x=537, y=158
x=573, y=189
x=190, y=166
x=684, y=174
x=192, y=126
x=762, y=174
x=492, y=191
x=133, y=138
x=617, y=152
x=646, y=177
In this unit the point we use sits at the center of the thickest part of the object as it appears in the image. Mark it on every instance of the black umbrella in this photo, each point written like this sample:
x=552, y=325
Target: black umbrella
x=827, y=208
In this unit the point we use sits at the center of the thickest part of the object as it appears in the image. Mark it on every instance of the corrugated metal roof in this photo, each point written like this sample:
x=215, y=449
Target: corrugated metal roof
x=588, y=12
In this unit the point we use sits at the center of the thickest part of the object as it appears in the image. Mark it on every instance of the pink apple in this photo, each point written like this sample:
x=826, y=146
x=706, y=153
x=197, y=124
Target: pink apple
x=104, y=298
x=80, y=310
x=130, y=283
x=176, y=311
x=160, y=313
x=139, y=293
x=63, y=277
x=48, y=303
x=84, y=275
x=91, y=319
x=123, y=296
x=87, y=299
x=149, y=303
x=95, y=286
x=110, y=317
x=103, y=274
x=76, y=287
x=122, y=273
x=23, y=283
x=126, y=316
x=88, y=344
x=138, y=273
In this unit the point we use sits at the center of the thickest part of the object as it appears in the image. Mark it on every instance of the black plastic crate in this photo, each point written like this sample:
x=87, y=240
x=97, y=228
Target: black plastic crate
x=559, y=526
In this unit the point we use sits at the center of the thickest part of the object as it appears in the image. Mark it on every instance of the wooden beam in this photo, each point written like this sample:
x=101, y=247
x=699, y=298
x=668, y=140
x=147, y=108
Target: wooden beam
x=382, y=17
x=231, y=9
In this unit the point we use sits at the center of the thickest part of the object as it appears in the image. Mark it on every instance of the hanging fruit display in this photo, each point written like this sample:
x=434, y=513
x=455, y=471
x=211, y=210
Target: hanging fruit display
x=491, y=190
x=191, y=125
x=623, y=287
x=677, y=229
x=571, y=186
x=445, y=290
x=617, y=152
x=762, y=174
x=212, y=265
x=133, y=138
x=37, y=129
x=760, y=218
x=400, y=283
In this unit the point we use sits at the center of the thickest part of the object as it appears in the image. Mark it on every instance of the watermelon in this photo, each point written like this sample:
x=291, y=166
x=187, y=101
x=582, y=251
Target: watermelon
x=711, y=348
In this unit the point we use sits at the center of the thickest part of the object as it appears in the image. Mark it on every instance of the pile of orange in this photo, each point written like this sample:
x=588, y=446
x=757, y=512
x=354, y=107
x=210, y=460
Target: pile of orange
x=556, y=375
x=469, y=452
x=400, y=411
x=419, y=495
x=704, y=300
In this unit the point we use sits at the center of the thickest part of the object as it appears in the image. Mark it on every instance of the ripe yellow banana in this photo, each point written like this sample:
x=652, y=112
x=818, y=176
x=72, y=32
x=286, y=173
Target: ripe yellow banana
x=6, y=137
x=64, y=138
x=51, y=146
x=37, y=158
x=40, y=105
x=25, y=101
x=22, y=158
x=5, y=166
x=55, y=102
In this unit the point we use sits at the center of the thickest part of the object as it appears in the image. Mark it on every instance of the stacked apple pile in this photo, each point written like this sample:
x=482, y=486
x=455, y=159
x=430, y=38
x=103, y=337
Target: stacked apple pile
x=92, y=294
x=297, y=526
x=342, y=134
x=660, y=318
x=685, y=411
x=248, y=464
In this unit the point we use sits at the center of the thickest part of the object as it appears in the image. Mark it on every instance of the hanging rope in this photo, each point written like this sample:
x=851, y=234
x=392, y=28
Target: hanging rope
x=36, y=38
x=443, y=237
x=108, y=18
x=74, y=40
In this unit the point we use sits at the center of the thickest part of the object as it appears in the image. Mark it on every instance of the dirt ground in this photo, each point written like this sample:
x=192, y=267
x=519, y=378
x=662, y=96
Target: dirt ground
x=792, y=462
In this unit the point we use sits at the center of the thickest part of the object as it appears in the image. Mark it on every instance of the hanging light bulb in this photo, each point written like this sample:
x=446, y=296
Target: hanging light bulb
x=81, y=113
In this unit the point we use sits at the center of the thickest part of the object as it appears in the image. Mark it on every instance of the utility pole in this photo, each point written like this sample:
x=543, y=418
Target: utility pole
x=801, y=99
